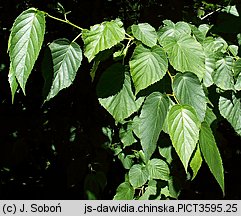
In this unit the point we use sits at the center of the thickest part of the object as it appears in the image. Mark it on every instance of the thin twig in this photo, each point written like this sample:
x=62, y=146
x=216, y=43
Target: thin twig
x=77, y=37
x=209, y=14
x=64, y=21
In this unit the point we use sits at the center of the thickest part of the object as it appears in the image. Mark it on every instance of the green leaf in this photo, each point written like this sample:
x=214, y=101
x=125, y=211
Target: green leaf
x=152, y=117
x=25, y=42
x=12, y=81
x=145, y=33
x=150, y=190
x=212, y=49
x=122, y=104
x=147, y=66
x=165, y=191
x=47, y=69
x=158, y=169
x=124, y=192
x=185, y=54
x=215, y=45
x=188, y=90
x=204, y=28
x=166, y=152
x=231, y=9
x=102, y=36
x=199, y=35
x=237, y=67
x=239, y=39
x=138, y=175
x=231, y=110
x=211, y=154
x=171, y=29
x=233, y=49
x=183, y=127
x=221, y=44
x=66, y=58
x=210, y=66
x=210, y=117
x=196, y=162
x=223, y=76
x=127, y=161
x=126, y=135
x=165, y=125
x=140, y=156
x=237, y=85
x=136, y=126
x=174, y=188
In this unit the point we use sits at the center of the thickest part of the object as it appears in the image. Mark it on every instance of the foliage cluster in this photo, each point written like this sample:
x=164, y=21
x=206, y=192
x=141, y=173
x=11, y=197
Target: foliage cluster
x=164, y=89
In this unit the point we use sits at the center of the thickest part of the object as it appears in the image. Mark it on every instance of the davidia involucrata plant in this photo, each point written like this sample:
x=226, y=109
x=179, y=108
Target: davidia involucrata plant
x=158, y=92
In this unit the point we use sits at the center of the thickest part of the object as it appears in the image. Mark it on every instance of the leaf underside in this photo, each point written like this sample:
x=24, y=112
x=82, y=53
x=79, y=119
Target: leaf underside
x=25, y=42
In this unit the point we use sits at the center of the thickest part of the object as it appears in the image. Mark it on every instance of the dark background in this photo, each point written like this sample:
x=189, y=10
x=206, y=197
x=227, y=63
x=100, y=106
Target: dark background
x=48, y=151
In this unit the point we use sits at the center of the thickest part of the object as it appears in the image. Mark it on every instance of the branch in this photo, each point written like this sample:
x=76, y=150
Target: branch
x=64, y=21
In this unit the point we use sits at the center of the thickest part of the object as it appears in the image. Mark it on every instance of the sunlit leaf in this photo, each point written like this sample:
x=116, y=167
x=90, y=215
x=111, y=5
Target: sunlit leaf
x=237, y=67
x=126, y=134
x=147, y=66
x=183, y=127
x=127, y=161
x=101, y=37
x=212, y=50
x=172, y=29
x=204, y=28
x=66, y=58
x=223, y=76
x=138, y=175
x=231, y=9
x=124, y=192
x=210, y=66
x=188, y=90
x=166, y=152
x=145, y=33
x=233, y=49
x=185, y=54
x=12, y=82
x=237, y=85
x=25, y=42
x=136, y=126
x=150, y=190
x=231, y=110
x=158, y=169
x=199, y=35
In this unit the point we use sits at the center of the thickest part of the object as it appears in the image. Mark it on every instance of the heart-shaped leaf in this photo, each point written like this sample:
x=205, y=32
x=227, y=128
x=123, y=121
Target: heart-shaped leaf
x=145, y=33
x=101, y=37
x=147, y=66
x=185, y=54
